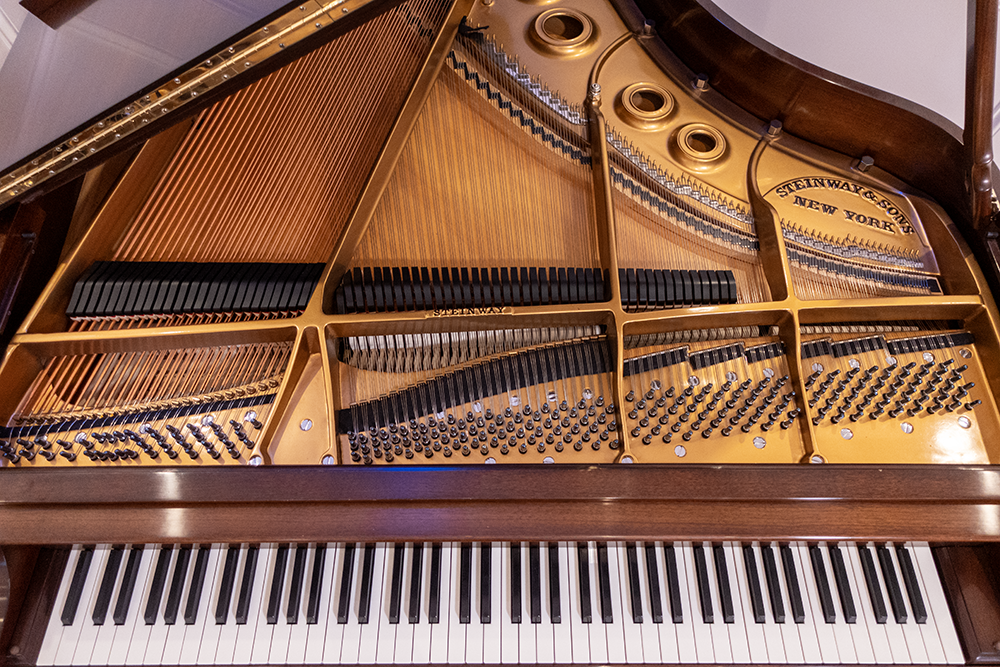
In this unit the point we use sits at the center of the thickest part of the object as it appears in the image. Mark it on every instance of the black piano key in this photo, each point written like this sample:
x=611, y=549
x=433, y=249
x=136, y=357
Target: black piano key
x=465, y=583
x=892, y=584
x=634, y=584
x=822, y=585
x=871, y=581
x=773, y=586
x=912, y=584
x=367, y=582
x=485, y=582
x=246, y=585
x=277, y=584
x=72, y=603
x=316, y=585
x=226, y=587
x=434, y=594
x=197, y=586
x=722, y=577
x=107, y=584
x=127, y=588
x=753, y=584
x=515, y=582
x=792, y=584
x=396, y=584
x=159, y=583
x=555, y=604
x=535, y=582
x=604, y=581
x=346, y=579
x=583, y=563
x=295, y=586
x=704, y=592
x=673, y=583
x=177, y=585
x=416, y=573
x=843, y=585
x=653, y=579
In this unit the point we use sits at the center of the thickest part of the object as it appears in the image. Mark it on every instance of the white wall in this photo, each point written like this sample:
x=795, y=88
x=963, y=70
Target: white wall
x=11, y=17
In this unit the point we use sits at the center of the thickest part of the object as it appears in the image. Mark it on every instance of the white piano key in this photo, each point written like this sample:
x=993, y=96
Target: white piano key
x=936, y=603
x=130, y=638
x=774, y=638
x=106, y=634
x=928, y=631
x=527, y=643
x=562, y=632
x=739, y=635
x=510, y=639
x=281, y=631
x=790, y=639
x=863, y=645
x=83, y=627
x=686, y=640
x=579, y=632
x=626, y=633
x=897, y=642
x=756, y=644
x=492, y=639
x=911, y=630
x=667, y=630
x=212, y=630
x=876, y=631
x=191, y=647
x=702, y=631
x=440, y=630
x=451, y=606
x=350, y=643
x=246, y=633
x=298, y=638
x=54, y=630
x=367, y=651
x=824, y=631
x=720, y=630
x=808, y=639
x=404, y=629
x=175, y=633
x=422, y=630
x=152, y=651
x=648, y=630
x=263, y=631
x=386, y=642
x=841, y=630
x=474, y=631
x=225, y=649
x=599, y=652
x=544, y=631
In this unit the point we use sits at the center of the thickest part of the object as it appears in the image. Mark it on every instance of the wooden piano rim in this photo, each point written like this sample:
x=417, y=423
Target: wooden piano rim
x=941, y=504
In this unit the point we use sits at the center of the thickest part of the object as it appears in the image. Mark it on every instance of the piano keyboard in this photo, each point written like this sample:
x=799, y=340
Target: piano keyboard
x=594, y=603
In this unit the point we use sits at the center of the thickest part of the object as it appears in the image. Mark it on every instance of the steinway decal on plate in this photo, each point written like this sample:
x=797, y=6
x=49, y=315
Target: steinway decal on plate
x=465, y=312
x=830, y=200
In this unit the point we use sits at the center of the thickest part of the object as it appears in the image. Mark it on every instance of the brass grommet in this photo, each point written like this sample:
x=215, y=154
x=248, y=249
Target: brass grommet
x=565, y=31
x=645, y=105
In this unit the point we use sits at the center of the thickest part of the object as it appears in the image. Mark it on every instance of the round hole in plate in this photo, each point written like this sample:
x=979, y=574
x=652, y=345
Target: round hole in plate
x=647, y=100
x=701, y=142
x=562, y=26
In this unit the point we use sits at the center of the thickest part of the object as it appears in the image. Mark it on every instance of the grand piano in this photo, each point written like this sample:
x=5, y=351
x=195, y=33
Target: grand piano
x=478, y=332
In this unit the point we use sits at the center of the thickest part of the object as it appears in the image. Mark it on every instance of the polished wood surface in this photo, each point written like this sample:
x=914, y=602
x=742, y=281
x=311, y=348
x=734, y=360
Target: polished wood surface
x=978, y=135
x=970, y=578
x=942, y=504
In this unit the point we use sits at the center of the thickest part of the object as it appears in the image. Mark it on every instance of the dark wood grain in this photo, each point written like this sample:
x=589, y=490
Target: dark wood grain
x=948, y=504
x=970, y=578
x=978, y=134
x=21, y=565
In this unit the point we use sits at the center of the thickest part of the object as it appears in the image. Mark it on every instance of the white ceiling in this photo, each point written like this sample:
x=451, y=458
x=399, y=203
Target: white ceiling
x=55, y=80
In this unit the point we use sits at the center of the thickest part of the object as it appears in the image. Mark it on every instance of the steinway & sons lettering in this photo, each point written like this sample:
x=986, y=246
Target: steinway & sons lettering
x=897, y=221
